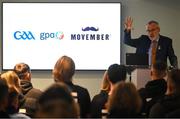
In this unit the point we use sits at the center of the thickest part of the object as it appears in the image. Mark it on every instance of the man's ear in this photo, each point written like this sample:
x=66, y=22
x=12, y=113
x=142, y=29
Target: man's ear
x=29, y=76
x=158, y=29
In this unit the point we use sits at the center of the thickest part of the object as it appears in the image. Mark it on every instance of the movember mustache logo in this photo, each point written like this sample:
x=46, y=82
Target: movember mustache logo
x=90, y=29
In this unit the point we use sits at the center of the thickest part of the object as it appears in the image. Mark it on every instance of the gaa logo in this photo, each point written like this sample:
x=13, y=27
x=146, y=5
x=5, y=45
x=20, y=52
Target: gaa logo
x=23, y=35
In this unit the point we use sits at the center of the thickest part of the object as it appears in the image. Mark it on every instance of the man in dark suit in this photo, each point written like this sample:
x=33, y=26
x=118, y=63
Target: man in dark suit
x=144, y=44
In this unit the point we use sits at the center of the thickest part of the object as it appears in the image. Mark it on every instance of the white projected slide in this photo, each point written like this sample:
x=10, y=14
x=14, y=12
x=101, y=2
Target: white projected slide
x=39, y=33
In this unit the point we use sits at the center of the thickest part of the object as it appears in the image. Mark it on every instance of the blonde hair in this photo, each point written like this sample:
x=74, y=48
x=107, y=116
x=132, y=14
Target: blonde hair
x=64, y=69
x=105, y=86
x=12, y=80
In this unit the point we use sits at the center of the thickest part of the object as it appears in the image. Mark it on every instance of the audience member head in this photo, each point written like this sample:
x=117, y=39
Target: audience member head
x=57, y=102
x=3, y=95
x=23, y=71
x=12, y=80
x=116, y=73
x=173, y=81
x=105, y=83
x=124, y=100
x=64, y=69
x=158, y=70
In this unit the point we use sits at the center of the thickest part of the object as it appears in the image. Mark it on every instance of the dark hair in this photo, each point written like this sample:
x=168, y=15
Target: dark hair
x=160, y=68
x=3, y=89
x=56, y=91
x=117, y=73
x=56, y=102
x=21, y=69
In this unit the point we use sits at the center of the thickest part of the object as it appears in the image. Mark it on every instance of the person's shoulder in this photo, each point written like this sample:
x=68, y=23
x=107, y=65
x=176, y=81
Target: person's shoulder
x=100, y=95
x=96, y=98
x=37, y=91
x=80, y=88
x=99, y=99
x=33, y=93
x=165, y=38
x=144, y=38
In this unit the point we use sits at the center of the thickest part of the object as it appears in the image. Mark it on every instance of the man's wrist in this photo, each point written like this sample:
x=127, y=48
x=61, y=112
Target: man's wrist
x=127, y=29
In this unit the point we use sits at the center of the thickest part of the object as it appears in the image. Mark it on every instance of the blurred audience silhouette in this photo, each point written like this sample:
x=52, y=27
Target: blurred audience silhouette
x=63, y=71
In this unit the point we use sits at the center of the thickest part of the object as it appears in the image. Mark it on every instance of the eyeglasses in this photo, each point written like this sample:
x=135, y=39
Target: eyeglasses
x=152, y=30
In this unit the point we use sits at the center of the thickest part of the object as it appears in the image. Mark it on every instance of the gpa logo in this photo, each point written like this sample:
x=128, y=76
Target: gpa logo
x=46, y=35
x=23, y=35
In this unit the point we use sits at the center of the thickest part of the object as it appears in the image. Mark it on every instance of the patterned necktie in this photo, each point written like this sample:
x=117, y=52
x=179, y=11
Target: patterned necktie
x=153, y=51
